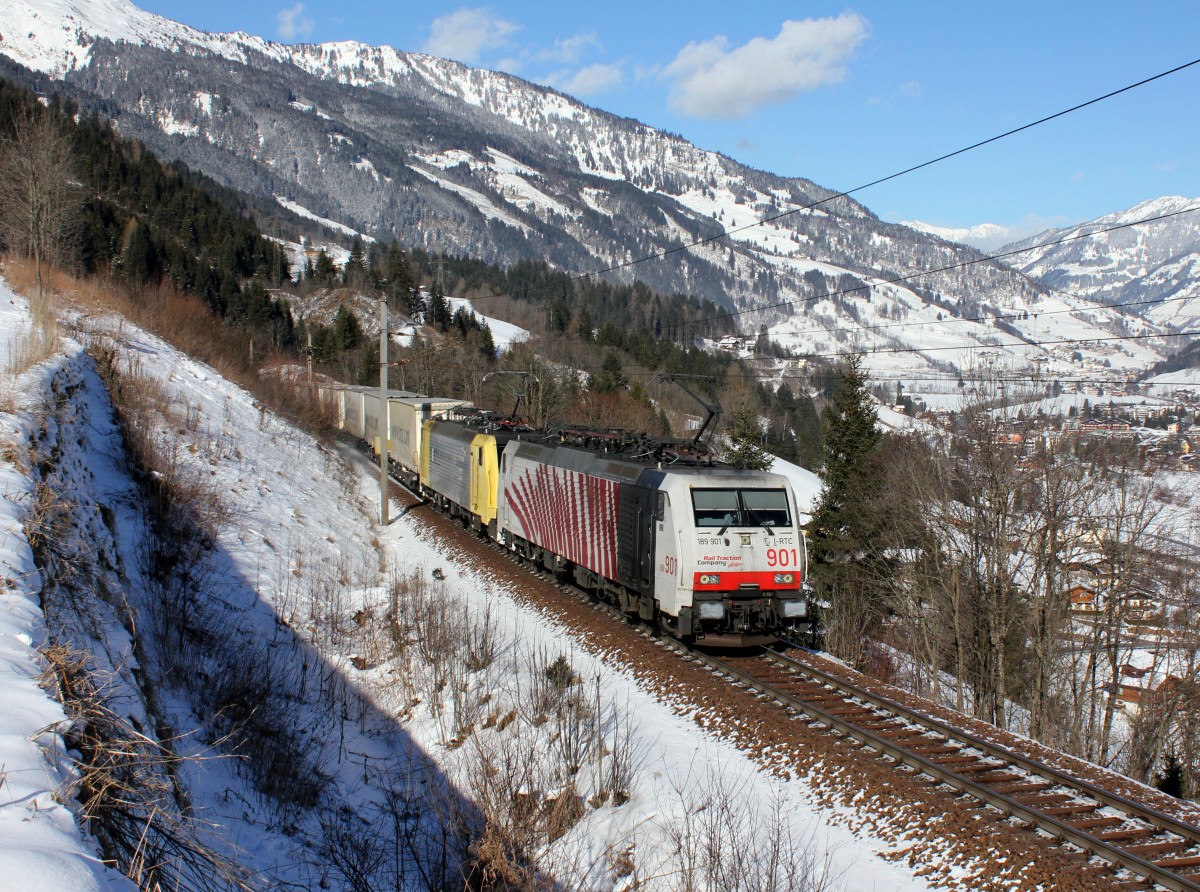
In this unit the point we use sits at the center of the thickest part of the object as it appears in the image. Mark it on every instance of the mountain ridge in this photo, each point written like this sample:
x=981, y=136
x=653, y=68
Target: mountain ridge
x=435, y=154
x=1151, y=270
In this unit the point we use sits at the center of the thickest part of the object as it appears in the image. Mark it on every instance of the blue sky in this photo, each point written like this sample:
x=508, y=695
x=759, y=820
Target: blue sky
x=840, y=94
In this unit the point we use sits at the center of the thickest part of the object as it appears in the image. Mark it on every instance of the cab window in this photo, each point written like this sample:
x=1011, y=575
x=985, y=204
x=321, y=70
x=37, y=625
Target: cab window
x=766, y=507
x=715, y=507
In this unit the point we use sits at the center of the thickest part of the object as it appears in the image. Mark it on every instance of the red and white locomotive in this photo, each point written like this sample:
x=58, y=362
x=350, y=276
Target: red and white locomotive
x=710, y=552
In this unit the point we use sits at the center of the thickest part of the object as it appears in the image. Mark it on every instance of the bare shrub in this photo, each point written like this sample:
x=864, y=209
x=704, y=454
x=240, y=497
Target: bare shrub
x=506, y=781
x=482, y=640
x=351, y=850
x=727, y=842
x=266, y=726
x=619, y=773
x=554, y=686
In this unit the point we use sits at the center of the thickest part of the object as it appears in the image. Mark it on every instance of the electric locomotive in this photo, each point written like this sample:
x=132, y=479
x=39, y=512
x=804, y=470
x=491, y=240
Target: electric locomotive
x=659, y=528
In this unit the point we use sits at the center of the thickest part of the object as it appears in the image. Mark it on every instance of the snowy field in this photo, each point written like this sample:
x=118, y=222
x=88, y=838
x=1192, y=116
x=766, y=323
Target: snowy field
x=295, y=518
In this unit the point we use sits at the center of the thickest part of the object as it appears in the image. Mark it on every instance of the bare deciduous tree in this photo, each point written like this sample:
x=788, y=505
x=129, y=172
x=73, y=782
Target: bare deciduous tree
x=38, y=194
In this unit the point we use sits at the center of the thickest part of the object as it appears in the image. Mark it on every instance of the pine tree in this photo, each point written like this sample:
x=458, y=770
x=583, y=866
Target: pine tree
x=324, y=272
x=807, y=426
x=611, y=377
x=1171, y=779
x=398, y=281
x=487, y=345
x=354, y=275
x=347, y=334
x=438, y=314
x=845, y=533
x=746, y=448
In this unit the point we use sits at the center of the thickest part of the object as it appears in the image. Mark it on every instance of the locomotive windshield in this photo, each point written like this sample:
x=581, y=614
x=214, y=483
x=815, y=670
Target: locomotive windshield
x=741, y=508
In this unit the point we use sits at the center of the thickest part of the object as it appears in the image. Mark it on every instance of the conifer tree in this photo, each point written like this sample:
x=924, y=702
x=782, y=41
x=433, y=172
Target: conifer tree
x=354, y=275
x=746, y=448
x=847, y=526
x=347, y=334
x=487, y=345
x=438, y=313
x=324, y=271
x=398, y=280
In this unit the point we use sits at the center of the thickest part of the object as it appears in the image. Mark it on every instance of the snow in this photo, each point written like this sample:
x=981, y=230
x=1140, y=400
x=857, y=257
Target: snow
x=41, y=846
x=288, y=521
x=302, y=211
x=979, y=235
x=174, y=127
x=504, y=334
x=805, y=485
x=481, y=202
x=54, y=36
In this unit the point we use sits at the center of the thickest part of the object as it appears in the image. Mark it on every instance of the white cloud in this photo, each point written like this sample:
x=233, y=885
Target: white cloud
x=466, y=34
x=589, y=80
x=912, y=90
x=710, y=80
x=292, y=23
x=570, y=50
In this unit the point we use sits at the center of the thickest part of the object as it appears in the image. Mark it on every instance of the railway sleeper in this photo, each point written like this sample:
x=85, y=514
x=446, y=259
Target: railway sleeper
x=902, y=734
x=982, y=768
x=883, y=726
x=1159, y=848
x=1002, y=777
x=1116, y=835
x=1040, y=801
x=1081, y=808
x=1024, y=786
x=815, y=694
x=934, y=751
x=1177, y=863
x=952, y=761
x=849, y=710
x=1096, y=822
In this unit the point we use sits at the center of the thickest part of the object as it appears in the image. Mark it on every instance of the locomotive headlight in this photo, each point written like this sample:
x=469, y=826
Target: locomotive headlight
x=710, y=578
x=711, y=609
x=785, y=578
x=795, y=609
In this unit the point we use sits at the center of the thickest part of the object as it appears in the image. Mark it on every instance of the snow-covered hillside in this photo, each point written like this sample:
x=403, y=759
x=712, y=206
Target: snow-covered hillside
x=41, y=845
x=295, y=565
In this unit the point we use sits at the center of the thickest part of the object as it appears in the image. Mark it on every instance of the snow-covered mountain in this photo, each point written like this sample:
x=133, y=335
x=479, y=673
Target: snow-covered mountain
x=432, y=153
x=984, y=236
x=1152, y=271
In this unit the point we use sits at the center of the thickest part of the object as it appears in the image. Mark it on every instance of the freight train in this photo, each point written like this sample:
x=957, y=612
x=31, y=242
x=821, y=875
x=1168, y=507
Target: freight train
x=658, y=528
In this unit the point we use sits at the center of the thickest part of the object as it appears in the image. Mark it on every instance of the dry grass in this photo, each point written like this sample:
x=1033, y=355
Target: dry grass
x=125, y=785
x=37, y=340
x=185, y=322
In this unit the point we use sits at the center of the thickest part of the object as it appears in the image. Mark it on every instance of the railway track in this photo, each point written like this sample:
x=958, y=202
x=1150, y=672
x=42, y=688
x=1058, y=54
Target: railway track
x=1132, y=846
x=1146, y=848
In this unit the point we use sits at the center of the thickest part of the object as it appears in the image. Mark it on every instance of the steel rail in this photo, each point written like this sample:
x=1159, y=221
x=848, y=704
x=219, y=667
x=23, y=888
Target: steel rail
x=1003, y=803
x=1150, y=815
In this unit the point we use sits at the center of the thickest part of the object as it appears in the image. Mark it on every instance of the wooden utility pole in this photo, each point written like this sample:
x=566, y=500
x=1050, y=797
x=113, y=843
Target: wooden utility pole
x=383, y=412
x=308, y=352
